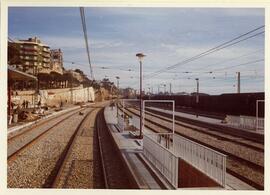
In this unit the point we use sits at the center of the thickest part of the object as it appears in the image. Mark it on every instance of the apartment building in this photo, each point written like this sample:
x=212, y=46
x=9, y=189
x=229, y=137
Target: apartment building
x=34, y=56
x=57, y=61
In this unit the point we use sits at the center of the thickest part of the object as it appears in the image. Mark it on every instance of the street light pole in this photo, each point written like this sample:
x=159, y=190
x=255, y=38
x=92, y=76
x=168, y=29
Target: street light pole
x=140, y=57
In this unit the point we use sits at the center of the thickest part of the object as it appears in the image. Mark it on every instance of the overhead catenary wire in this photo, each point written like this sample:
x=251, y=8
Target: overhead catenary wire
x=86, y=40
x=210, y=51
x=101, y=67
x=222, y=62
x=229, y=67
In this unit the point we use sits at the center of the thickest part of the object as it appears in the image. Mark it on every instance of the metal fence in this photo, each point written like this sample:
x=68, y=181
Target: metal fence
x=121, y=122
x=260, y=124
x=161, y=158
x=209, y=161
x=246, y=122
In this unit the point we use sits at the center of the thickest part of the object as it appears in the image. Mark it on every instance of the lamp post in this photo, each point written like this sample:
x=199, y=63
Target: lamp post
x=140, y=57
x=197, y=95
x=117, y=77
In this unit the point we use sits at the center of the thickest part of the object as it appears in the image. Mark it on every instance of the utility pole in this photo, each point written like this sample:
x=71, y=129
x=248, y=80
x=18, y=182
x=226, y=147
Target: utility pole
x=117, y=77
x=170, y=88
x=164, y=89
x=238, y=82
x=72, y=84
x=197, y=95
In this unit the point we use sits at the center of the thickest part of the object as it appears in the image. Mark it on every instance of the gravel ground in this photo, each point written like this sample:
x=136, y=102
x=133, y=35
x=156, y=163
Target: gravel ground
x=18, y=142
x=31, y=167
x=77, y=170
x=242, y=140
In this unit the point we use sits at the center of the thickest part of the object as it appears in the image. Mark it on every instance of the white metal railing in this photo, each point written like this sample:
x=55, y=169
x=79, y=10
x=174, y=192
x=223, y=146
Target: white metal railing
x=260, y=124
x=246, y=122
x=121, y=122
x=161, y=158
x=134, y=121
x=233, y=120
x=209, y=161
x=259, y=121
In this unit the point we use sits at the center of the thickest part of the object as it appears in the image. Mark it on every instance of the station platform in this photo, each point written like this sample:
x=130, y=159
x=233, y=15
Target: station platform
x=147, y=176
x=131, y=150
x=209, y=120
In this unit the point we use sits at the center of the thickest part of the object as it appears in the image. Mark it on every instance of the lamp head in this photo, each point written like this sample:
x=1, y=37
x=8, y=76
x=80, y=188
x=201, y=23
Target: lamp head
x=140, y=56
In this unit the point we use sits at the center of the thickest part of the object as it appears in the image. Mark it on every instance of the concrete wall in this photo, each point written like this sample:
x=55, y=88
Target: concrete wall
x=69, y=96
x=54, y=97
x=190, y=177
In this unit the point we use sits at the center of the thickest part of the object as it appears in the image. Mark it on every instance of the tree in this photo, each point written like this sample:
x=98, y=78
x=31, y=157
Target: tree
x=14, y=55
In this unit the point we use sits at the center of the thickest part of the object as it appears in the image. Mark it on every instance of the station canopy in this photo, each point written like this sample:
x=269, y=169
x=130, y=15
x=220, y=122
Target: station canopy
x=14, y=74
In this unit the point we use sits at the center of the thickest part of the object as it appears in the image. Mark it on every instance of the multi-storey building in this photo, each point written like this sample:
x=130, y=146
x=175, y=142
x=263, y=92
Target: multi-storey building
x=57, y=61
x=34, y=56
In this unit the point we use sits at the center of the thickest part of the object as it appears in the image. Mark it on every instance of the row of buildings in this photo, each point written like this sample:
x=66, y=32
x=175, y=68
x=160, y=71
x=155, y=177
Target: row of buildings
x=33, y=57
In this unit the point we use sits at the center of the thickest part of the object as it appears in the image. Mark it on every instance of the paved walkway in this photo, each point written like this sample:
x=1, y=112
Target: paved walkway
x=131, y=150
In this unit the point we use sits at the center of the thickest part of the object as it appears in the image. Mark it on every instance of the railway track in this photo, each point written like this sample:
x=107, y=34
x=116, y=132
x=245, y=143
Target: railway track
x=21, y=140
x=223, y=136
x=252, y=137
x=246, y=170
x=37, y=163
x=219, y=135
x=115, y=176
x=54, y=176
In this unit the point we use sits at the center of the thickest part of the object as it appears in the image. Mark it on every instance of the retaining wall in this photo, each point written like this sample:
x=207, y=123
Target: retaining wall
x=54, y=97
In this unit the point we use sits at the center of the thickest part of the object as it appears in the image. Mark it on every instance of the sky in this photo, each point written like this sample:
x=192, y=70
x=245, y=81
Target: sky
x=166, y=36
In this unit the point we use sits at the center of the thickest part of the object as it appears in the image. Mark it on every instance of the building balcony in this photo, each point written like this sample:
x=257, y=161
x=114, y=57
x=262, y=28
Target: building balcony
x=29, y=49
x=46, y=55
x=28, y=53
x=46, y=60
x=46, y=50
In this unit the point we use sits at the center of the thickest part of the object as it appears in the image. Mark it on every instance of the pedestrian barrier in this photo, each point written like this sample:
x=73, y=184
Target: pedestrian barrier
x=260, y=124
x=246, y=122
x=161, y=158
x=233, y=120
x=121, y=122
x=208, y=161
x=163, y=150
